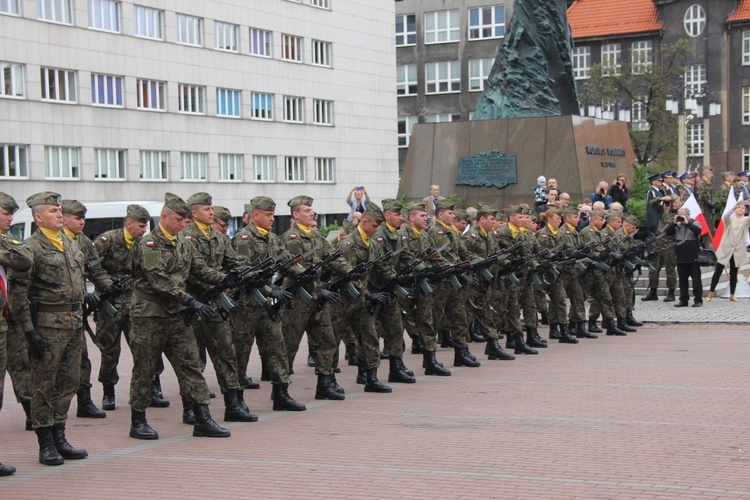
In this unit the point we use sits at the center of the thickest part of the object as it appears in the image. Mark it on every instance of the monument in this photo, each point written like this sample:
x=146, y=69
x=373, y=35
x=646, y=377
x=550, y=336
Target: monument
x=526, y=124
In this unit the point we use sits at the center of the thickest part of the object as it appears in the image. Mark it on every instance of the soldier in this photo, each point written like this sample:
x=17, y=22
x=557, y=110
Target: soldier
x=570, y=239
x=47, y=302
x=654, y=208
x=256, y=242
x=704, y=192
x=528, y=290
x=162, y=262
x=616, y=290
x=666, y=258
x=215, y=335
x=726, y=186
x=629, y=227
x=13, y=255
x=115, y=247
x=222, y=218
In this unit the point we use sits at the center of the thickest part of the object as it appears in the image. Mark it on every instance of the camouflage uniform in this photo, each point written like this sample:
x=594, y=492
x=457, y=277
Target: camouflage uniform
x=481, y=243
x=570, y=238
x=721, y=200
x=628, y=286
x=704, y=193
x=512, y=323
x=596, y=281
x=551, y=239
x=527, y=297
x=616, y=290
x=666, y=259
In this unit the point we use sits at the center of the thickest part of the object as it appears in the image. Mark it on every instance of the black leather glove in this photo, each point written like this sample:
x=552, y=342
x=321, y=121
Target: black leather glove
x=378, y=298
x=355, y=276
x=114, y=289
x=201, y=309
x=404, y=279
x=280, y=294
x=652, y=256
x=331, y=296
x=474, y=280
x=36, y=344
x=306, y=277
x=232, y=279
x=616, y=256
x=91, y=300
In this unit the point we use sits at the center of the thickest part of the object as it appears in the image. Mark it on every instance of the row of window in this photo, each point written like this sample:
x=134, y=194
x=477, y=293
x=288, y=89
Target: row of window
x=641, y=54
x=106, y=15
x=444, y=26
x=442, y=77
x=64, y=163
x=60, y=85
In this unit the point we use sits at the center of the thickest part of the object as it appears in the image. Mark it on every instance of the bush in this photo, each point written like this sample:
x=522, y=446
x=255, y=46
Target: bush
x=327, y=229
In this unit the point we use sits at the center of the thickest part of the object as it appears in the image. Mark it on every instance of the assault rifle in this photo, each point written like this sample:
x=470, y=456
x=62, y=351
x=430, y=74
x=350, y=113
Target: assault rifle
x=520, y=262
x=310, y=274
x=482, y=265
x=405, y=273
x=279, y=263
x=105, y=304
x=345, y=282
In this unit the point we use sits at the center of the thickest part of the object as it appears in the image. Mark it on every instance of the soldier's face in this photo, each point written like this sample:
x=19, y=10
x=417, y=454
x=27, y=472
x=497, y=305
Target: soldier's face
x=305, y=215
x=6, y=219
x=554, y=220
x=708, y=174
x=49, y=217
x=73, y=223
x=446, y=217
x=220, y=226
x=573, y=220
x=516, y=220
x=629, y=228
x=460, y=224
x=393, y=219
x=369, y=226
x=135, y=228
x=615, y=223
x=203, y=214
x=418, y=220
x=263, y=219
x=173, y=222
x=597, y=222
x=487, y=222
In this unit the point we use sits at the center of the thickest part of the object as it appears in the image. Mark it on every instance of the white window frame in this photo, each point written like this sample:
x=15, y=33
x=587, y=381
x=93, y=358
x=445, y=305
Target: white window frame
x=694, y=20
x=320, y=52
x=261, y=42
x=154, y=162
x=53, y=76
x=324, y=170
x=151, y=95
x=639, y=115
x=641, y=56
x=403, y=136
x=695, y=79
x=192, y=99
x=193, y=167
x=477, y=31
x=746, y=105
x=479, y=71
x=12, y=77
x=229, y=107
x=230, y=167
x=746, y=48
x=446, y=73
x=611, y=59
x=407, y=82
x=55, y=11
x=149, y=23
x=189, y=30
x=294, y=169
x=581, y=57
x=695, y=140
x=10, y=7
x=322, y=112
x=226, y=36
x=321, y=4
x=442, y=117
x=104, y=15
x=294, y=109
x=261, y=106
x=19, y=155
x=404, y=36
x=438, y=30
x=112, y=83
x=745, y=158
x=264, y=168
x=291, y=48
x=62, y=163
x=108, y=162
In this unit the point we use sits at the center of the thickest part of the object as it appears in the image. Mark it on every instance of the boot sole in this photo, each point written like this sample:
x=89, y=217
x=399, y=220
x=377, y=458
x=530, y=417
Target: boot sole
x=109, y=408
x=254, y=418
x=437, y=374
x=75, y=457
x=381, y=391
x=394, y=380
x=52, y=462
x=492, y=357
x=211, y=435
x=144, y=437
x=91, y=415
x=333, y=397
x=288, y=408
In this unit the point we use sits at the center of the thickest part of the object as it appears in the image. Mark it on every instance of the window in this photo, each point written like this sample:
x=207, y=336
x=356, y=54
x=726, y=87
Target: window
x=226, y=36
x=324, y=169
x=262, y=106
x=294, y=108
x=9, y=7
x=291, y=48
x=441, y=26
x=294, y=169
x=151, y=94
x=58, y=85
x=11, y=80
x=264, y=168
x=695, y=140
x=406, y=29
x=104, y=15
x=611, y=59
x=322, y=112
x=695, y=20
x=443, y=77
x=260, y=42
x=192, y=99
x=321, y=53
x=745, y=158
x=746, y=47
x=642, y=56
x=323, y=4
x=405, y=123
x=406, y=79
x=639, y=113
x=57, y=11
x=109, y=164
x=60, y=162
x=228, y=103
x=582, y=63
x=193, y=166
x=189, y=30
x=149, y=22
x=106, y=90
x=695, y=78
x=13, y=162
x=154, y=165
x=746, y=105
x=230, y=167
x=486, y=22
x=442, y=118
x=479, y=70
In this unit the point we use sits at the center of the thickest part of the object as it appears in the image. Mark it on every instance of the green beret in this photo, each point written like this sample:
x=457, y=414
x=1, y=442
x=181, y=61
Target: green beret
x=45, y=198
x=571, y=211
x=137, y=213
x=654, y=177
x=632, y=219
x=614, y=213
x=177, y=204
x=445, y=204
x=8, y=203
x=708, y=167
x=348, y=226
x=73, y=207
x=248, y=208
x=555, y=210
x=526, y=210
x=514, y=210
x=416, y=206
x=483, y=208
x=265, y=203
x=598, y=213
x=374, y=212
x=300, y=200
x=727, y=174
x=461, y=214
x=200, y=199
x=391, y=205
x=222, y=213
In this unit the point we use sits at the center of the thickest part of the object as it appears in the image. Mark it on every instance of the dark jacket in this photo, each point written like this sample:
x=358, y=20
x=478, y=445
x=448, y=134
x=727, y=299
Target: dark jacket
x=620, y=195
x=688, y=238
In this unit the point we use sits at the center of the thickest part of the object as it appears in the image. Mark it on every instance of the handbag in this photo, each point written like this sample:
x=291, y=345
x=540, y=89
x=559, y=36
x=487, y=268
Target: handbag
x=706, y=257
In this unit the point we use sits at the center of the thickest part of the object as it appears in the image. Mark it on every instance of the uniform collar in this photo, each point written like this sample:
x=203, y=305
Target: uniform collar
x=305, y=229
x=129, y=238
x=365, y=237
x=54, y=237
x=71, y=235
x=204, y=228
x=171, y=237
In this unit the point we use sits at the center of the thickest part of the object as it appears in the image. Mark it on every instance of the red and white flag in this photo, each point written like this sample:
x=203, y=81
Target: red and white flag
x=731, y=202
x=695, y=212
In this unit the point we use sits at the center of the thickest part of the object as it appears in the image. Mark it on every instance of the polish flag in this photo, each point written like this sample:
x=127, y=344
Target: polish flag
x=695, y=212
x=731, y=202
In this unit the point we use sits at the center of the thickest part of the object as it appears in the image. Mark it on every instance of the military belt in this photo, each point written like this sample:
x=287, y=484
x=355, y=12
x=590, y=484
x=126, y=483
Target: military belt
x=151, y=298
x=58, y=308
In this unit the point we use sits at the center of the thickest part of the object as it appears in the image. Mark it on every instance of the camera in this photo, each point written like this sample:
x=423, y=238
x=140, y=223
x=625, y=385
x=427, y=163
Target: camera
x=360, y=188
x=680, y=218
x=583, y=214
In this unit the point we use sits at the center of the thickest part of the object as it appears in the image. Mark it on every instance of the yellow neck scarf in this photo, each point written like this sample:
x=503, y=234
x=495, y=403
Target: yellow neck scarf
x=171, y=237
x=514, y=230
x=263, y=232
x=552, y=229
x=304, y=229
x=484, y=232
x=572, y=228
x=417, y=232
x=129, y=239
x=391, y=228
x=458, y=231
x=364, y=235
x=205, y=229
x=446, y=226
x=53, y=236
x=71, y=235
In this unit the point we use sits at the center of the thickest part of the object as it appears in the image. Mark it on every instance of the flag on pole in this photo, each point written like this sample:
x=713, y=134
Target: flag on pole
x=731, y=202
x=695, y=212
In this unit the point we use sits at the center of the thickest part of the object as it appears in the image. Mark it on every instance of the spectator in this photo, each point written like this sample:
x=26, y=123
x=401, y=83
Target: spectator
x=615, y=206
x=553, y=198
x=552, y=184
x=540, y=195
x=585, y=212
x=619, y=191
x=601, y=195
x=732, y=250
x=359, y=203
x=429, y=201
x=597, y=205
x=687, y=235
x=564, y=199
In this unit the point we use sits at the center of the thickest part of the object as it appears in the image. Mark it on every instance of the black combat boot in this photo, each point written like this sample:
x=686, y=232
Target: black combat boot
x=445, y=338
x=336, y=386
x=670, y=296
x=241, y=399
x=157, y=398
x=612, y=327
x=384, y=354
x=545, y=317
x=63, y=446
x=283, y=401
x=398, y=372
x=416, y=345
x=651, y=295
x=351, y=354
x=361, y=373
x=139, y=428
x=462, y=357
x=205, y=425
x=538, y=337
x=326, y=390
x=531, y=339
x=373, y=384
x=581, y=331
x=510, y=342
x=500, y=335
x=622, y=325
x=108, y=399
x=631, y=321
x=554, y=332
x=248, y=383
x=432, y=366
x=26, y=405
x=593, y=327
x=310, y=357
x=233, y=410
x=188, y=417
x=476, y=336
x=48, y=454
x=7, y=470
x=265, y=373
x=494, y=351
x=521, y=347
x=565, y=336
x=86, y=407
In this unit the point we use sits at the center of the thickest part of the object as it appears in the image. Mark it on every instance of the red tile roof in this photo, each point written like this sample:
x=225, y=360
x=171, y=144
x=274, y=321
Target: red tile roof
x=742, y=12
x=595, y=18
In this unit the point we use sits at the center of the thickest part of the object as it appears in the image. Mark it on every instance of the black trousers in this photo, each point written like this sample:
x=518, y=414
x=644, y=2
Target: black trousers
x=686, y=272
x=732, y=276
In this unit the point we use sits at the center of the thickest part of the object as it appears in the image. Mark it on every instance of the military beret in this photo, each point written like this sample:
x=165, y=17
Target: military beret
x=300, y=200
x=416, y=206
x=525, y=210
x=598, y=213
x=445, y=204
x=571, y=211
x=348, y=227
x=137, y=213
x=614, y=213
x=514, y=209
x=742, y=174
x=222, y=213
x=73, y=207
x=654, y=177
x=727, y=174
x=708, y=167
x=45, y=198
x=555, y=210
x=632, y=219
x=8, y=203
x=177, y=204
x=374, y=212
x=486, y=209
x=391, y=205
x=461, y=214
x=200, y=199
x=265, y=203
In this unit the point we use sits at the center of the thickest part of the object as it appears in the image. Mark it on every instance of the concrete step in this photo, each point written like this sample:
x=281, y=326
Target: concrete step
x=641, y=285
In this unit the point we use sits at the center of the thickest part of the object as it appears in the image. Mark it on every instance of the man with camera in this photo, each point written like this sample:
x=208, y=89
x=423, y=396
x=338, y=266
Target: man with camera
x=687, y=233
x=601, y=195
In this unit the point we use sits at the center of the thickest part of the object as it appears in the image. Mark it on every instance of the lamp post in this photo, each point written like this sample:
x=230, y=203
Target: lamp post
x=617, y=108
x=690, y=106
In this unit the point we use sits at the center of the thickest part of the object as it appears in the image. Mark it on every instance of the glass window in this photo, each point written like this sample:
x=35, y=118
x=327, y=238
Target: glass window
x=291, y=48
x=441, y=26
x=323, y=4
x=262, y=106
x=639, y=113
x=154, y=165
x=149, y=22
x=405, y=123
x=230, y=167
x=294, y=169
x=746, y=158
x=746, y=105
x=322, y=112
x=321, y=53
x=228, y=103
x=406, y=79
x=442, y=77
x=58, y=11
x=294, y=109
x=193, y=166
x=61, y=162
x=189, y=30
x=695, y=20
x=58, y=85
x=104, y=15
x=9, y=7
x=226, y=36
x=442, y=118
x=486, y=22
x=324, y=169
x=192, y=99
x=581, y=62
x=642, y=55
x=479, y=71
x=260, y=42
x=109, y=164
x=695, y=140
x=406, y=29
x=11, y=79
x=264, y=168
x=746, y=47
x=13, y=162
x=611, y=59
x=106, y=90
x=151, y=95
x=695, y=78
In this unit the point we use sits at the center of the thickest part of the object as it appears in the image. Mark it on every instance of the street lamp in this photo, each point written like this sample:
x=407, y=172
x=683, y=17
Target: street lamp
x=690, y=105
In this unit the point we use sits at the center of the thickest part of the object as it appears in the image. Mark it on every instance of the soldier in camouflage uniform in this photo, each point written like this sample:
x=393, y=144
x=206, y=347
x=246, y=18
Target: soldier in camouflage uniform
x=616, y=274
x=47, y=303
x=627, y=231
x=13, y=255
x=528, y=290
x=256, y=242
x=215, y=335
x=666, y=259
x=162, y=262
x=569, y=239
